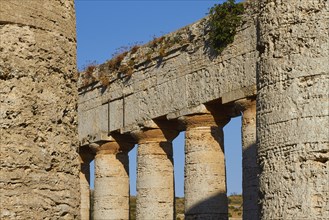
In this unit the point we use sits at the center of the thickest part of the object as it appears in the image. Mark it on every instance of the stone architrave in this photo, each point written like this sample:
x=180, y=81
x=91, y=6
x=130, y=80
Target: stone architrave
x=111, y=193
x=292, y=109
x=250, y=167
x=205, y=175
x=155, y=173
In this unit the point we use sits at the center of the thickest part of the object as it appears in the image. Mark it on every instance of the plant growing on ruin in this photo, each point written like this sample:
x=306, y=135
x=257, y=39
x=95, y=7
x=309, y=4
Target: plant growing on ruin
x=134, y=49
x=148, y=55
x=127, y=58
x=88, y=76
x=223, y=21
x=115, y=63
x=162, y=51
x=156, y=41
x=125, y=70
x=90, y=69
x=104, y=79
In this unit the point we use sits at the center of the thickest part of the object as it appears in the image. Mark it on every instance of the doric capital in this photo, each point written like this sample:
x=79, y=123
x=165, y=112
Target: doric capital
x=156, y=131
x=86, y=154
x=244, y=104
x=118, y=143
x=248, y=109
x=203, y=115
x=204, y=120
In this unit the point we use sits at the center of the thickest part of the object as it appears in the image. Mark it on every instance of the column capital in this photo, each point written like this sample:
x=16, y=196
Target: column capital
x=86, y=154
x=118, y=143
x=155, y=131
x=246, y=103
x=204, y=120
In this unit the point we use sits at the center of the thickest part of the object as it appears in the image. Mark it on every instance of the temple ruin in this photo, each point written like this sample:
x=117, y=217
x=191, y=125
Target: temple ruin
x=275, y=75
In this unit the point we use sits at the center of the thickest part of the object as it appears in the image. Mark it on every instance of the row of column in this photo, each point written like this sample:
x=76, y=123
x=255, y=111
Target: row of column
x=205, y=175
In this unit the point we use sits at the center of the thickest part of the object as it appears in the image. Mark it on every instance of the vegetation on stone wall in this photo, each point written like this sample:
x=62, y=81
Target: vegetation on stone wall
x=223, y=21
x=89, y=69
x=126, y=58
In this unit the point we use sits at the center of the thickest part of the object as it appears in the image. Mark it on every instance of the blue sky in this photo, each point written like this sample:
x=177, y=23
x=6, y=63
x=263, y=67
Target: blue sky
x=103, y=26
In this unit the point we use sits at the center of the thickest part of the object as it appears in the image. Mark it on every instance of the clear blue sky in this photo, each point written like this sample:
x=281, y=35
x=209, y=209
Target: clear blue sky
x=103, y=26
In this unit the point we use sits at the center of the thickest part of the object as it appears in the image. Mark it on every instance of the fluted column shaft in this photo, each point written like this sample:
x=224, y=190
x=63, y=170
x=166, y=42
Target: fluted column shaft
x=250, y=168
x=155, y=174
x=205, y=175
x=85, y=159
x=111, y=193
x=292, y=109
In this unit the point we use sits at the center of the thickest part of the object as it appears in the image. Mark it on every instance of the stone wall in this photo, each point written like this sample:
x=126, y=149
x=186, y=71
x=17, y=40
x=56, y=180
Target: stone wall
x=293, y=109
x=187, y=76
x=39, y=164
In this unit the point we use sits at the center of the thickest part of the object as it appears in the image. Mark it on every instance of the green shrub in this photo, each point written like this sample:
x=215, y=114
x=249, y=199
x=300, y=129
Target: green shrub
x=223, y=21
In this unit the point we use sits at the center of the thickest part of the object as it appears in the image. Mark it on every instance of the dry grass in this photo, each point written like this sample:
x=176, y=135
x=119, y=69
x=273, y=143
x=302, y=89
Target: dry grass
x=235, y=207
x=105, y=81
x=134, y=49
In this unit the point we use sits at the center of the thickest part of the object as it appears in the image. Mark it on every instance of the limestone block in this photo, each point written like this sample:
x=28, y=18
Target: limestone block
x=131, y=110
x=111, y=94
x=160, y=100
x=116, y=113
x=94, y=125
x=202, y=86
x=88, y=95
x=239, y=94
x=90, y=104
x=143, y=79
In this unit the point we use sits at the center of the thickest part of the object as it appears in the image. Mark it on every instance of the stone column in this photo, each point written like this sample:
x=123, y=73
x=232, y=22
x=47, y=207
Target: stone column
x=250, y=168
x=111, y=193
x=155, y=173
x=292, y=109
x=205, y=175
x=85, y=159
x=39, y=166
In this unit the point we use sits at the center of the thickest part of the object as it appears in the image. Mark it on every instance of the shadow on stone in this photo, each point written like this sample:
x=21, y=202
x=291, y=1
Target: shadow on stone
x=167, y=148
x=250, y=182
x=213, y=207
x=124, y=159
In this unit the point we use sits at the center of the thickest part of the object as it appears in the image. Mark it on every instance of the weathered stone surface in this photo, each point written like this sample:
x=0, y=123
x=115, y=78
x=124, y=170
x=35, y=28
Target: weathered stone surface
x=186, y=77
x=205, y=174
x=250, y=168
x=85, y=158
x=155, y=174
x=39, y=164
x=111, y=193
x=292, y=109
x=95, y=126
